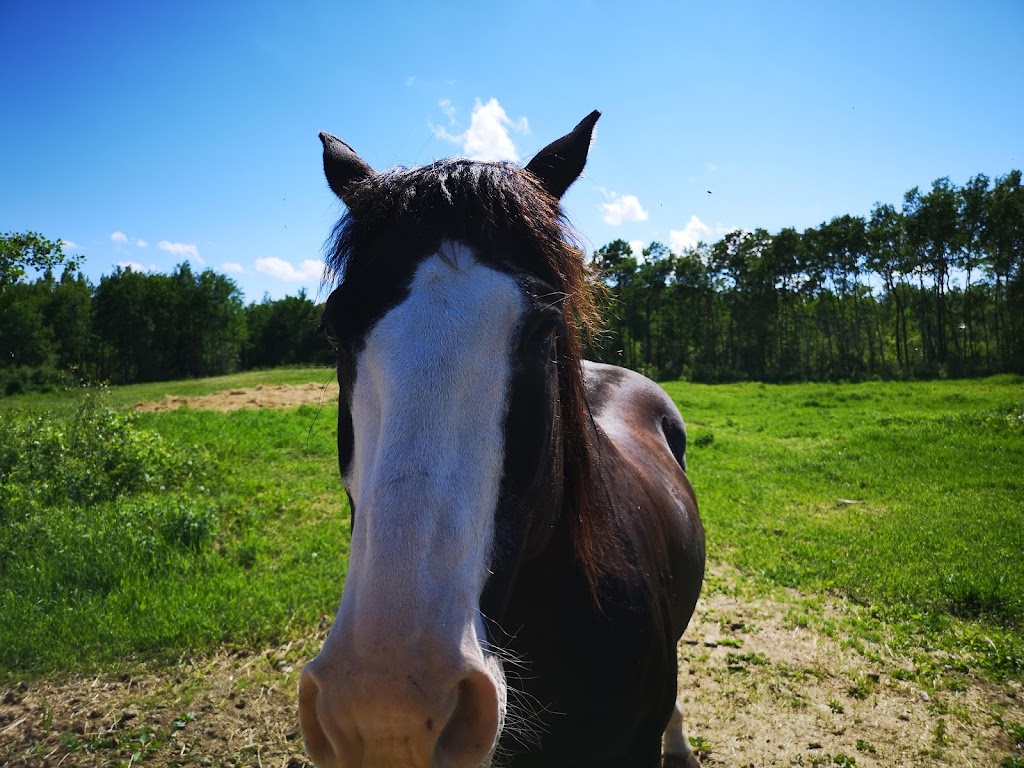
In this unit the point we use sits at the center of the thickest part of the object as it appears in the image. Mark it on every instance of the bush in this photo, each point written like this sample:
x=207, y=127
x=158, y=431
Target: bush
x=21, y=379
x=84, y=503
x=98, y=454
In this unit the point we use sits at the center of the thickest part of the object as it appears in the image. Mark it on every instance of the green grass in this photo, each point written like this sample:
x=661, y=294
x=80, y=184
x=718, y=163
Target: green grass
x=906, y=497
x=217, y=528
x=903, y=497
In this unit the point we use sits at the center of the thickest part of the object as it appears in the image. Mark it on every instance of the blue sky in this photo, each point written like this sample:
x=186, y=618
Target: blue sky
x=152, y=133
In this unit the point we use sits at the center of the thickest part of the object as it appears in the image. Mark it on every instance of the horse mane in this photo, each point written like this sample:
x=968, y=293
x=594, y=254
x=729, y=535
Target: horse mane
x=503, y=213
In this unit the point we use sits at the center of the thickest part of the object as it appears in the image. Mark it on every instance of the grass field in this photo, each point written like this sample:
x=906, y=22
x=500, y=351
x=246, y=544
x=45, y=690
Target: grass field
x=209, y=528
x=128, y=536
x=906, y=497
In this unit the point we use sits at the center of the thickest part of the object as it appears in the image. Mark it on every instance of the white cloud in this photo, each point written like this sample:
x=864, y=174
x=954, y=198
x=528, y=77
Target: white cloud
x=637, y=247
x=487, y=137
x=449, y=110
x=621, y=209
x=121, y=237
x=69, y=245
x=310, y=270
x=232, y=266
x=188, y=250
x=134, y=266
x=688, y=237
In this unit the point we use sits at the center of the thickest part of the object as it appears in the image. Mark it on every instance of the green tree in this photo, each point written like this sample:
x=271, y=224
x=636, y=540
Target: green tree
x=21, y=251
x=157, y=327
x=285, y=332
x=973, y=226
x=617, y=267
x=1005, y=240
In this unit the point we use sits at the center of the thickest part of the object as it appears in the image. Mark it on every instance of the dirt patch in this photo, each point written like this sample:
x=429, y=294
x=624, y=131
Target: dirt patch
x=236, y=708
x=263, y=396
x=760, y=689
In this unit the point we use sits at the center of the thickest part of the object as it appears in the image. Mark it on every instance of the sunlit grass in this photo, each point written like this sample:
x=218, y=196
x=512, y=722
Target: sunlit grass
x=904, y=496
x=237, y=533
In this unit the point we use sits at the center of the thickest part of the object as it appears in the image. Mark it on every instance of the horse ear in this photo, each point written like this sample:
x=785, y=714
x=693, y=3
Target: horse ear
x=342, y=166
x=561, y=162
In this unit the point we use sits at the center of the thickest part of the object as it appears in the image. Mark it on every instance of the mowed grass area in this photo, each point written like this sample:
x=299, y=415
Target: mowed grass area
x=905, y=497
x=128, y=395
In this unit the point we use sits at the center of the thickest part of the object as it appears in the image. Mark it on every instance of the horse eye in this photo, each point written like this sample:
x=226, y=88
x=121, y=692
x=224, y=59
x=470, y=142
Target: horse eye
x=541, y=328
x=331, y=338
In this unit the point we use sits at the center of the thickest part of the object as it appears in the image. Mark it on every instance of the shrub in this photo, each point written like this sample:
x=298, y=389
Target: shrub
x=84, y=503
x=97, y=454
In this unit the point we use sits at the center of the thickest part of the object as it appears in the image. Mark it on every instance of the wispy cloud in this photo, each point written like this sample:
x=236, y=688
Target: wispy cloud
x=134, y=266
x=69, y=245
x=621, y=209
x=232, y=266
x=121, y=237
x=487, y=137
x=410, y=81
x=448, y=109
x=187, y=250
x=309, y=270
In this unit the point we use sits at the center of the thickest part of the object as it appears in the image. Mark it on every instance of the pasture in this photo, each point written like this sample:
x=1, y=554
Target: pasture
x=865, y=541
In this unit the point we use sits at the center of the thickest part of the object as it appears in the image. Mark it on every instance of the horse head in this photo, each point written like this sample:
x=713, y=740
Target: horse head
x=456, y=327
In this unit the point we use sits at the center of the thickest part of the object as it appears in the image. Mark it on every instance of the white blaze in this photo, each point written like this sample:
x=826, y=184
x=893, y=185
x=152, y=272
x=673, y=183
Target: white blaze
x=428, y=409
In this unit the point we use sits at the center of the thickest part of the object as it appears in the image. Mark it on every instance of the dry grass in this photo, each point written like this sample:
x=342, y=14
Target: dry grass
x=262, y=396
x=231, y=709
x=763, y=687
x=760, y=686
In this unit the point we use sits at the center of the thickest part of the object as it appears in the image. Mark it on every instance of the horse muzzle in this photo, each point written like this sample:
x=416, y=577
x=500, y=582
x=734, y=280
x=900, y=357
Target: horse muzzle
x=387, y=714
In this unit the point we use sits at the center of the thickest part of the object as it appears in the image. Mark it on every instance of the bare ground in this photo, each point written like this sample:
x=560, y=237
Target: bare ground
x=761, y=687
x=263, y=396
x=759, y=690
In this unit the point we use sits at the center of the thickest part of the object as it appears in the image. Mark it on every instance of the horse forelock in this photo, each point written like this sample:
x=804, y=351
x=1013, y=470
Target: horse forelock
x=398, y=217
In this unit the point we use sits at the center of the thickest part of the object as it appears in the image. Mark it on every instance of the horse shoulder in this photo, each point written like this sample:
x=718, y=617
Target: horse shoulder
x=634, y=412
x=641, y=442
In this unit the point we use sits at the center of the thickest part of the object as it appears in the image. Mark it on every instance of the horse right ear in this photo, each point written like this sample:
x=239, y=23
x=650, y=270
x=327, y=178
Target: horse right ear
x=561, y=162
x=342, y=166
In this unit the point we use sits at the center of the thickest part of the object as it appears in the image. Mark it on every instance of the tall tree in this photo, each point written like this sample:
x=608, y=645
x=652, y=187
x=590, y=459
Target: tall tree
x=972, y=226
x=1005, y=238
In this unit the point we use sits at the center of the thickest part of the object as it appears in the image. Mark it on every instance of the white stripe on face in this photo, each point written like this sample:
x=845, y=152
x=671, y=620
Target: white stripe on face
x=428, y=408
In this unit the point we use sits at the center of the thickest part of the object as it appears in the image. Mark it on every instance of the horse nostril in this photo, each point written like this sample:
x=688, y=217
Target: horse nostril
x=468, y=738
x=318, y=746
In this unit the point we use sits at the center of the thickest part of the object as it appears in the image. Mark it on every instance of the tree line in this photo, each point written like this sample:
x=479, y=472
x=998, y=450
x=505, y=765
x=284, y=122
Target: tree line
x=934, y=287
x=136, y=326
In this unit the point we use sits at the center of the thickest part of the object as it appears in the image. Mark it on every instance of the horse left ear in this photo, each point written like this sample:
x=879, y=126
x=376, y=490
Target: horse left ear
x=561, y=162
x=342, y=166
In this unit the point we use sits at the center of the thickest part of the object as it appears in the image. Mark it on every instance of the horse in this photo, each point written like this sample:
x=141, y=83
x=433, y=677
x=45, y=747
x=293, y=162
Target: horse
x=526, y=549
